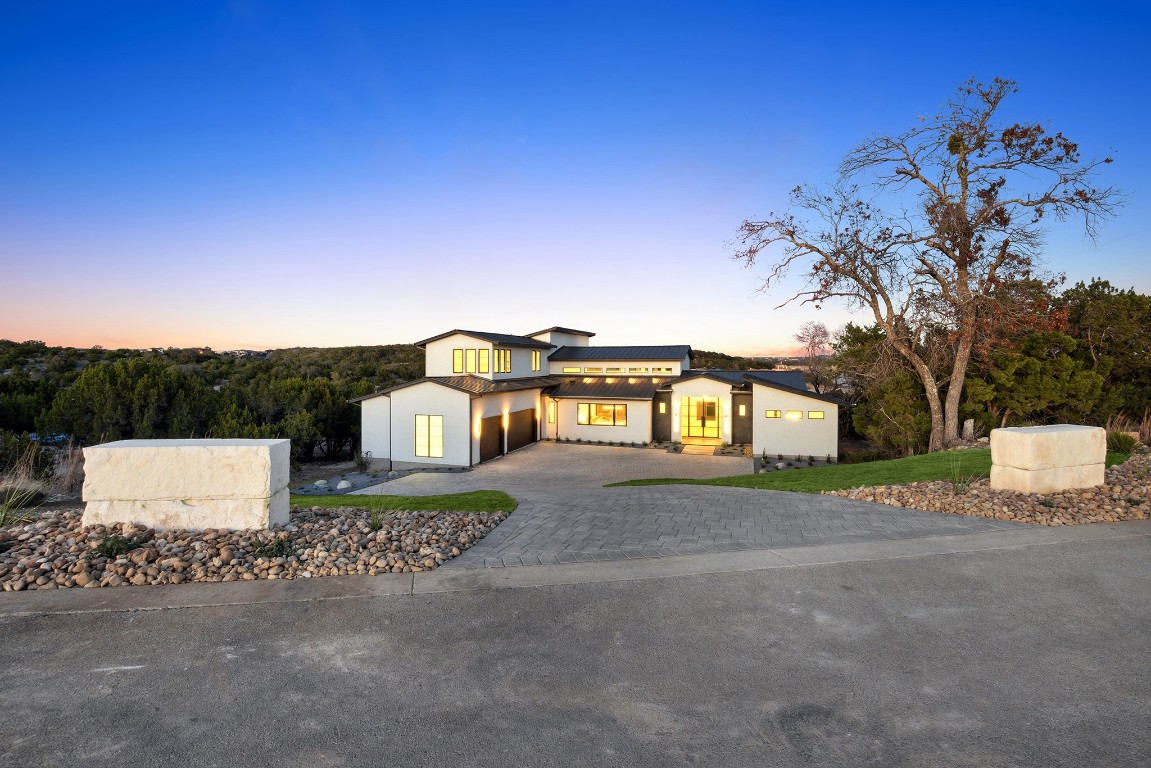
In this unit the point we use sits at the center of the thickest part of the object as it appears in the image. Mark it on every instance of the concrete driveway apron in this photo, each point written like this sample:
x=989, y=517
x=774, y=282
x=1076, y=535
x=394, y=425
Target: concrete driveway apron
x=565, y=515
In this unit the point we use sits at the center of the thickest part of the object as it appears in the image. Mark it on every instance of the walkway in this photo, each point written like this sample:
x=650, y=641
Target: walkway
x=566, y=516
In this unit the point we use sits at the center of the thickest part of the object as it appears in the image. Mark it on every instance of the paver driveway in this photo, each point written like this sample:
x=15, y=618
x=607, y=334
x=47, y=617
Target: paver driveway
x=565, y=514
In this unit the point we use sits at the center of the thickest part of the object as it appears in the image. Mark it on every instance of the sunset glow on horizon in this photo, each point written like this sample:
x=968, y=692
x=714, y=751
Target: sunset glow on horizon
x=250, y=176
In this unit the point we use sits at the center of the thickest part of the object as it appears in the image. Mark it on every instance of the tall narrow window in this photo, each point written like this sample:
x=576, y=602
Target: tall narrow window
x=429, y=436
x=457, y=361
x=552, y=412
x=485, y=357
x=663, y=407
x=503, y=361
x=469, y=361
x=535, y=359
x=742, y=409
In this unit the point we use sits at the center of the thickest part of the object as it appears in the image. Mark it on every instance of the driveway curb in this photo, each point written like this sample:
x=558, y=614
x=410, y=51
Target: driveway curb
x=169, y=597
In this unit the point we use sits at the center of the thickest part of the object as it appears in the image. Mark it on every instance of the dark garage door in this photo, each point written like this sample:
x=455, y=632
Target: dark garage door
x=491, y=431
x=521, y=428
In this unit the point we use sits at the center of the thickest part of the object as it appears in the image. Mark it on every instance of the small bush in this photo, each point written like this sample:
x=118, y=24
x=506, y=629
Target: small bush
x=363, y=460
x=114, y=546
x=1121, y=442
x=277, y=548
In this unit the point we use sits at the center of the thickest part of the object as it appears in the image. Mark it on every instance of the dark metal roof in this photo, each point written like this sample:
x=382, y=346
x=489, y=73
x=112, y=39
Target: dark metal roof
x=792, y=379
x=621, y=388
x=785, y=381
x=500, y=339
x=561, y=329
x=670, y=352
x=473, y=385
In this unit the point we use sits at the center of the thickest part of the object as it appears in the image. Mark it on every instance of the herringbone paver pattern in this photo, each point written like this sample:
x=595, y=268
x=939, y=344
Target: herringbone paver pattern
x=565, y=515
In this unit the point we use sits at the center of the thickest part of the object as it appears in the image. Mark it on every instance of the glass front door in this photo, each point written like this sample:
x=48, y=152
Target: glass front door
x=700, y=417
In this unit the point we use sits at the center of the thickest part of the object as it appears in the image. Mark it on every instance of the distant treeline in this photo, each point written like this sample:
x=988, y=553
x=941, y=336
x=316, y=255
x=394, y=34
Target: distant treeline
x=96, y=395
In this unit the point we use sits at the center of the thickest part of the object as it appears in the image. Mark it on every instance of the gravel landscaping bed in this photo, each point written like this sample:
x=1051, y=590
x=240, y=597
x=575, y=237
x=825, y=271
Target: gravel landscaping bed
x=55, y=551
x=1125, y=495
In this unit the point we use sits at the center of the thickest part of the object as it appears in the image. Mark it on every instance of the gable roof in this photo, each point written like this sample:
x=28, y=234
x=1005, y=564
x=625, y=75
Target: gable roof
x=561, y=329
x=499, y=339
x=669, y=352
x=473, y=385
x=785, y=381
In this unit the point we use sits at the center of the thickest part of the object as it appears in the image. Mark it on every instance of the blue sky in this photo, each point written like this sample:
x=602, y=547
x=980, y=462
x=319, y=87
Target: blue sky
x=255, y=174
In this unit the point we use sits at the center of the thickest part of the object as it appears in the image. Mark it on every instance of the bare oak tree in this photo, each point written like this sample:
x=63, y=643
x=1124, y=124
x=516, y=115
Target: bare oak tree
x=968, y=199
x=816, y=341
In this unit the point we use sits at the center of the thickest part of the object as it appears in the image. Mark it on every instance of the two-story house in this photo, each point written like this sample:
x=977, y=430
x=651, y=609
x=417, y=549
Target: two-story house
x=486, y=394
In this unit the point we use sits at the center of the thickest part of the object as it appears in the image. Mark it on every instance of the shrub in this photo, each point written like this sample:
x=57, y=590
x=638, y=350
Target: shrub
x=114, y=546
x=1121, y=442
x=363, y=460
x=277, y=548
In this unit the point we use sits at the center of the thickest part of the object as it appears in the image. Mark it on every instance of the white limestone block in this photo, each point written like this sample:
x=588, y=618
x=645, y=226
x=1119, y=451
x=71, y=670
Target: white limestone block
x=1046, y=480
x=1058, y=445
x=186, y=469
x=1047, y=459
x=196, y=484
x=193, y=514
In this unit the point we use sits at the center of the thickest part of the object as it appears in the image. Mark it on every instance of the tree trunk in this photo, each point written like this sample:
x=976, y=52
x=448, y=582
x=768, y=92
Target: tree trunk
x=935, y=406
x=955, y=387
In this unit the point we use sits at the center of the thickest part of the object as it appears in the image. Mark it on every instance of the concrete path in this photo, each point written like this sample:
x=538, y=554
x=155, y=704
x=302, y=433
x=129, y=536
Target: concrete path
x=565, y=515
x=1033, y=655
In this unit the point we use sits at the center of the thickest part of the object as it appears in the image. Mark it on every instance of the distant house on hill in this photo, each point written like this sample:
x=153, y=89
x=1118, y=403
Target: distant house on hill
x=486, y=394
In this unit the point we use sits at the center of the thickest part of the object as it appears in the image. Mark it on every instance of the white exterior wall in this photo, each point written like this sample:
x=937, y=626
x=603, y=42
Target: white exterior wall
x=802, y=437
x=701, y=387
x=522, y=364
x=438, y=355
x=677, y=366
x=376, y=426
x=437, y=400
x=499, y=405
x=638, y=429
x=563, y=339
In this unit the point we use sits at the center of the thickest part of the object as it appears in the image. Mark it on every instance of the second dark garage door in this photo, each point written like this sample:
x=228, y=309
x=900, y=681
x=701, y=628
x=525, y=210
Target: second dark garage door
x=521, y=428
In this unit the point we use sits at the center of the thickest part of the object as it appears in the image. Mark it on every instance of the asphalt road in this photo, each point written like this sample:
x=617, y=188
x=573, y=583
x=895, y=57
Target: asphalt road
x=1016, y=657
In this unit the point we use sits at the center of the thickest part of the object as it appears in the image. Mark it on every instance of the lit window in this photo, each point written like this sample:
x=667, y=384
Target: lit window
x=772, y=414
x=637, y=370
x=469, y=361
x=661, y=370
x=602, y=414
x=503, y=361
x=593, y=370
x=615, y=370
x=485, y=356
x=535, y=359
x=571, y=370
x=663, y=407
x=815, y=414
x=429, y=436
x=552, y=412
x=457, y=361
x=795, y=415
x=742, y=409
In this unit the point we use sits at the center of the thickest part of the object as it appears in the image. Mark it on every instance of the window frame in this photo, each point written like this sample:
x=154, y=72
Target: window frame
x=536, y=359
x=822, y=415
x=584, y=414
x=433, y=424
x=484, y=361
x=773, y=413
x=458, y=360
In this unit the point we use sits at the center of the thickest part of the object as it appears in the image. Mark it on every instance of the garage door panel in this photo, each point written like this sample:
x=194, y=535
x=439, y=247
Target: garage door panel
x=490, y=429
x=521, y=428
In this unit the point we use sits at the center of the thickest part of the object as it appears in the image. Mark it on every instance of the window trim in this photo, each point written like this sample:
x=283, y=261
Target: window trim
x=432, y=423
x=570, y=369
x=584, y=414
x=536, y=359
x=484, y=363
x=457, y=360
x=470, y=361
x=773, y=413
x=822, y=415
x=551, y=412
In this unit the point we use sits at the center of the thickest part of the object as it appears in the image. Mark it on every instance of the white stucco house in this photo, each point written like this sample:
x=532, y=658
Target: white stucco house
x=486, y=394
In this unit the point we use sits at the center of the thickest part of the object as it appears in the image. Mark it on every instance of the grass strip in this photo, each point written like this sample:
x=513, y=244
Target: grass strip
x=948, y=465
x=472, y=501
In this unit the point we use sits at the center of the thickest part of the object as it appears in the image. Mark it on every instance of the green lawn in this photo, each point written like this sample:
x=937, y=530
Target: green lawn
x=930, y=466
x=473, y=501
